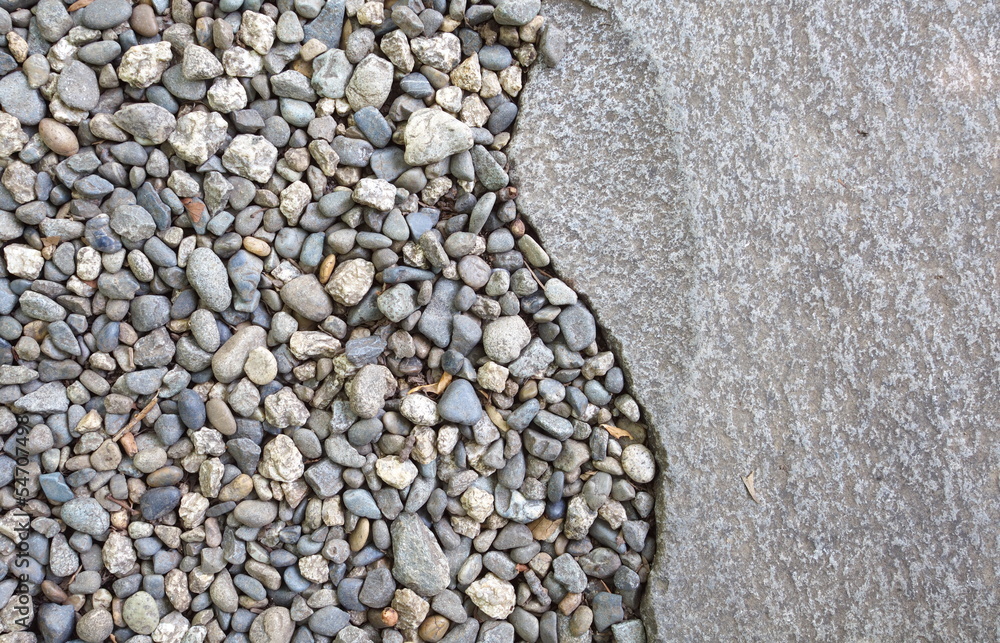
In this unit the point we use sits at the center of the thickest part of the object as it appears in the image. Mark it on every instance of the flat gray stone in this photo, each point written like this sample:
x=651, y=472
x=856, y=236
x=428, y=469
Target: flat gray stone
x=794, y=292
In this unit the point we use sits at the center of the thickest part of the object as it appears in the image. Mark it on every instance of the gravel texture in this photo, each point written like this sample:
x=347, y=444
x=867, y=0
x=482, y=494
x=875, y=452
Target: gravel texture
x=279, y=359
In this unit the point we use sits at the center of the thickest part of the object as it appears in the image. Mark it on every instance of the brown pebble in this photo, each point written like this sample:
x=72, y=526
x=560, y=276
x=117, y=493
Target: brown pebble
x=326, y=268
x=581, y=620
x=386, y=617
x=303, y=67
x=238, y=489
x=569, y=603
x=53, y=592
x=434, y=628
x=220, y=416
x=256, y=246
x=359, y=537
x=57, y=137
x=144, y=20
x=165, y=477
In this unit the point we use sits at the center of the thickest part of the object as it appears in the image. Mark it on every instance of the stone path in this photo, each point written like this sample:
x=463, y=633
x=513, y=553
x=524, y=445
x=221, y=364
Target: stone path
x=795, y=212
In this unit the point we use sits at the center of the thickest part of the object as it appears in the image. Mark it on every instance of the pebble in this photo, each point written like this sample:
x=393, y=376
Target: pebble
x=207, y=275
x=140, y=613
x=419, y=561
x=638, y=463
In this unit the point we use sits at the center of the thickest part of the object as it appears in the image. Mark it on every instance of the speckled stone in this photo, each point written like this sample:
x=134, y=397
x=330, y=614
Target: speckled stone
x=764, y=331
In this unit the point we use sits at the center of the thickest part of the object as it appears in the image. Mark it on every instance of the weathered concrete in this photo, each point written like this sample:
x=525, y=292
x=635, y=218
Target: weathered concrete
x=794, y=208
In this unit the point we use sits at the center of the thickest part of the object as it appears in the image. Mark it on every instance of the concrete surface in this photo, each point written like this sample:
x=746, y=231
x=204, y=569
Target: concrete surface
x=785, y=217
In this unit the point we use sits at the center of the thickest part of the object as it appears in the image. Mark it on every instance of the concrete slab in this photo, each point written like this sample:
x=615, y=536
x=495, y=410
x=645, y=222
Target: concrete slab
x=785, y=217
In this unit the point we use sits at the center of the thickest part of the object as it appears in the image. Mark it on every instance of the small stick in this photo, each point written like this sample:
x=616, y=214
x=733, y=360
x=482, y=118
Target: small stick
x=121, y=504
x=533, y=276
x=138, y=418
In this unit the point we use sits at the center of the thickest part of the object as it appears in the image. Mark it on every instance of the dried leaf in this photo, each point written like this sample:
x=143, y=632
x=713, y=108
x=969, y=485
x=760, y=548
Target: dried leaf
x=436, y=388
x=443, y=383
x=195, y=210
x=543, y=528
x=79, y=4
x=616, y=432
x=586, y=475
x=748, y=483
x=497, y=418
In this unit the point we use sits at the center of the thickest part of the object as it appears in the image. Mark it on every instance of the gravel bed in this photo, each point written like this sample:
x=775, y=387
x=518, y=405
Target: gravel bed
x=279, y=361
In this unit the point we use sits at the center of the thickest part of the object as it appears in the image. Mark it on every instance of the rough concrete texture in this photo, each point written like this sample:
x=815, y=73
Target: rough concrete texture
x=785, y=217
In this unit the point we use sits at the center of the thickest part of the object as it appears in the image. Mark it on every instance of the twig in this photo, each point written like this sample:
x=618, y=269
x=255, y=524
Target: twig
x=533, y=276
x=121, y=504
x=137, y=419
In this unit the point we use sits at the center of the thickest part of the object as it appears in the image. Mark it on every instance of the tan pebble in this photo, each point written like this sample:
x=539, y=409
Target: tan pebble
x=238, y=489
x=256, y=246
x=311, y=49
x=220, y=416
x=17, y=46
x=359, y=537
x=569, y=603
x=144, y=20
x=303, y=67
x=58, y=138
x=261, y=367
x=386, y=617
x=326, y=268
x=53, y=592
x=580, y=621
x=434, y=628
x=119, y=519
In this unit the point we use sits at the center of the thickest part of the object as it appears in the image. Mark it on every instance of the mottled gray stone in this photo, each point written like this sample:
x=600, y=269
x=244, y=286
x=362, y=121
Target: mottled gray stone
x=793, y=255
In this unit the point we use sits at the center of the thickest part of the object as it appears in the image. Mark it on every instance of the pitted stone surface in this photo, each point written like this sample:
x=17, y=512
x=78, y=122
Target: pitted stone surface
x=798, y=203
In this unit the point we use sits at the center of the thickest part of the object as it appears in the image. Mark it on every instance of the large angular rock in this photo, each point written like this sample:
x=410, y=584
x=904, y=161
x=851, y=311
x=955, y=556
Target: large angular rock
x=418, y=561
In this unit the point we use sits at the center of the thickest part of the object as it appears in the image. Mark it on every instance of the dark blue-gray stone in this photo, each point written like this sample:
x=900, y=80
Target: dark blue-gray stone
x=577, y=326
x=329, y=620
x=373, y=125
x=495, y=57
x=422, y=221
x=156, y=503
x=55, y=487
x=353, y=152
x=435, y=322
x=388, y=163
x=364, y=350
x=361, y=503
x=99, y=53
x=502, y=118
x=607, y=610
x=245, y=452
x=147, y=197
x=56, y=623
x=328, y=25
x=523, y=415
x=21, y=101
x=401, y=274
x=347, y=594
x=93, y=187
x=191, y=409
x=416, y=85
x=105, y=14
x=460, y=404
